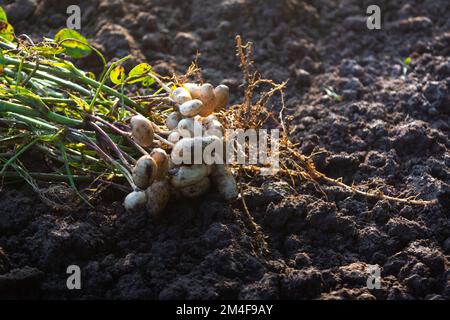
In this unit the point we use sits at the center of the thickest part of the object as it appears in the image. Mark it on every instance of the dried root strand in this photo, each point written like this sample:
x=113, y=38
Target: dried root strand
x=294, y=165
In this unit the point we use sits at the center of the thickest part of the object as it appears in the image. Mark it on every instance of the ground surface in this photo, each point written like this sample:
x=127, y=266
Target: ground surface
x=390, y=131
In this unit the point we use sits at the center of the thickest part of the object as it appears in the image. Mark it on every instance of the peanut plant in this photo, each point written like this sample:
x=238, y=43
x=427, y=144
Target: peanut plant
x=89, y=129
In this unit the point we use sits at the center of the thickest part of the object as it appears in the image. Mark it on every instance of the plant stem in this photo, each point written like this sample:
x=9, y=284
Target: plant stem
x=72, y=75
x=6, y=106
x=57, y=177
x=69, y=175
x=45, y=76
x=90, y=143
x=120, y=132
x=162, y=84
x=111, y=144
x=102, y=83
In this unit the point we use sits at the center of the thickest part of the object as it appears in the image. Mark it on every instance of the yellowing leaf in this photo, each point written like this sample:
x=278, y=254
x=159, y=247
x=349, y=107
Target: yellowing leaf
x=47, y=50
x=80, y=102
x=117, y=75
x=138, y=72
x=75, y=44
x=6, y=31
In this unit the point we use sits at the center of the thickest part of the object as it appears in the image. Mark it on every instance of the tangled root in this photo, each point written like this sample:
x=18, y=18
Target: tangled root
x=253, y=113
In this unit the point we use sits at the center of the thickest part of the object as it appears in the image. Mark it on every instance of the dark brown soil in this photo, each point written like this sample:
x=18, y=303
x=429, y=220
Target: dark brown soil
x=390, y=131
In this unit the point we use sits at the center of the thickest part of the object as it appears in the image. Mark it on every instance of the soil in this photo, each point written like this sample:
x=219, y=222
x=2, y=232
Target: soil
x=390, y=131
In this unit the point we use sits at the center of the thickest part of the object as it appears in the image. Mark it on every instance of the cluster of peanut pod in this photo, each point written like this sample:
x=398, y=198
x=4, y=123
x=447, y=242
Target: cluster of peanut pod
x=157, y=177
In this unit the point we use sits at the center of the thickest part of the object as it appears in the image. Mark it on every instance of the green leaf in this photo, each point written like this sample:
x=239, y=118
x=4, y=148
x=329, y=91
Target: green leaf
x=6, y=31
x=407, y=61
x=117, y=75
x=3, y=16
x=75, y=45
x=138, y=72
x=148, y=81
x=47, y=50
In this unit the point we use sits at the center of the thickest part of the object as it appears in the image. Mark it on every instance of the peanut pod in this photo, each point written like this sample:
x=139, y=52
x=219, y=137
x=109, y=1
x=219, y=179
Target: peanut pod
x=188, y=175
x=162, y=161
x=181, y=95
x=158, y=195
x=135, y=201
x=225, y=182
x=191, y=108
x=222, y=94
x=142, y=130
x=197, y=189
x=144, y=172
x=173, y=119
x=208, y=98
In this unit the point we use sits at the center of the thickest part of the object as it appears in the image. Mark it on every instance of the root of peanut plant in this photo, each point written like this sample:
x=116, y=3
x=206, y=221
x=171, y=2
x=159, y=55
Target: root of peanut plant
x=253, y=113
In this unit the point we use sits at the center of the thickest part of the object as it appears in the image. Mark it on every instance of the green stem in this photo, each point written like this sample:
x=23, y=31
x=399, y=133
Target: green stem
x=73, y=75
x=56, y=80
x=19, y=72
x=30, y=75
x=102, y=83
x=67, y=101
x=6, y=106
x=33, y=121
x=57, y=177
x=69, y=175
x=75, y=155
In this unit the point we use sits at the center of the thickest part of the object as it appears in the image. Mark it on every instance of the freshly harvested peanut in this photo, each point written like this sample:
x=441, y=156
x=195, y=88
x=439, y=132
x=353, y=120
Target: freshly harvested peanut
x=174, y=137
x=189, y=143
x=214, y=124
x=162, y=161
x=208, y=140
x=225, y=182
x=206, y=121
x=190, y=150
x=173, y=119
x=197, y=189
x=189, y=127
x=208, y=98
x=214, y=149
x=144, y=172
x=222, y=94
x=191, y=108
x=187, y=175
x=142, y=130
x=213, y=128
x=158, y=195
x=135, y=200
x=193, y=88
x=181, y=95
x=186, y=127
